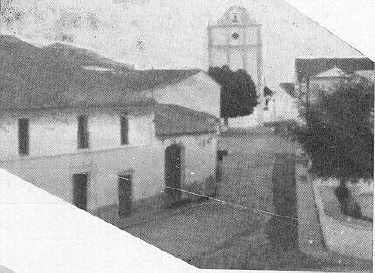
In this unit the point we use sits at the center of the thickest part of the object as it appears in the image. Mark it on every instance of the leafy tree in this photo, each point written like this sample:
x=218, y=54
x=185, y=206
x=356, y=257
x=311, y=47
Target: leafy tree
x=238, y=92
x=338, y=136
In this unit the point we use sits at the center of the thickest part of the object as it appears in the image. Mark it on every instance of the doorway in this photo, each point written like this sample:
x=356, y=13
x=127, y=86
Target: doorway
x=80, y=182
x=173, y=166
x=125, y=194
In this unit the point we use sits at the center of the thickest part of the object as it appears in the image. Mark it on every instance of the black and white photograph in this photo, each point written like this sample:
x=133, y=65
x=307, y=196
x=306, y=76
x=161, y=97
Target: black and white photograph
x=186, y=136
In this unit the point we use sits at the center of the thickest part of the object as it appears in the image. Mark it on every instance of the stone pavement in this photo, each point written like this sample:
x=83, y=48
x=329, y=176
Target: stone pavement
x=216, y=235
x=198, y=229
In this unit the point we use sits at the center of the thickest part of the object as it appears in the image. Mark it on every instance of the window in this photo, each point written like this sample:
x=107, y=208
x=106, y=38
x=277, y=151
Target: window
x=23, y=136
x=235, y=18
x=235, y=35
x=124, y=130
x=83, y=133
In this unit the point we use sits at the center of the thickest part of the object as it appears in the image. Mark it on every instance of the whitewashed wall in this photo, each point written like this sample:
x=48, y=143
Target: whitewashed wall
x=54, y=157
x=198, y=92
x=199, y=161
x=55, y=133
x=282, y=107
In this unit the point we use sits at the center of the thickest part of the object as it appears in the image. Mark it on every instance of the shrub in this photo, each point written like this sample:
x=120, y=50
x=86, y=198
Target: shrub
x=238, y=91
x=338, y=135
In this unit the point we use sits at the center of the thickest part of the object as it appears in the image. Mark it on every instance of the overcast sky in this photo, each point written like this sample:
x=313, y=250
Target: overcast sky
x=352, y=20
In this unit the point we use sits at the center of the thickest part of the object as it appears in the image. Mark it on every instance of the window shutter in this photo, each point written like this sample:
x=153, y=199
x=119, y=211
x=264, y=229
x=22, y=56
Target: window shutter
x=83, y=134
x=23, y=136
x=124, y=130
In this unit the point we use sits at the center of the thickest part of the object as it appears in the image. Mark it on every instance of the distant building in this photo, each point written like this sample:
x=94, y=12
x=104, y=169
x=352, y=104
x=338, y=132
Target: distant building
x=83, y=128
x=366, y=74
x=324, y=74
x=282, y=106
x=327, y=80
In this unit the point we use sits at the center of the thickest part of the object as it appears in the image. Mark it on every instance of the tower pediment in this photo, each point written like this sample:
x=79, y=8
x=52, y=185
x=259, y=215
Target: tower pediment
x=236, y=15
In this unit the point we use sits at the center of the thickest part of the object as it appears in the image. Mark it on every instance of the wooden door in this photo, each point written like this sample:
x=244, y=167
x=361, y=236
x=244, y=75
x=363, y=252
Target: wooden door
x=125, y=195
x=173, y=174
x=80, y=190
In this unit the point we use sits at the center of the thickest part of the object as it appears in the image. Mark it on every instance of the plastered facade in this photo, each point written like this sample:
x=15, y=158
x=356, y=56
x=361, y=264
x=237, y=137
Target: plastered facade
x=54, y=156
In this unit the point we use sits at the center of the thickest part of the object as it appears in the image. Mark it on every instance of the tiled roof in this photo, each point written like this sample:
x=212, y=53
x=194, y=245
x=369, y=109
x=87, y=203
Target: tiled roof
x=65, y=76
x=367, y=74
x=82, y=56
x=173, y=120
x=139, y=80
x=311, y=67
x=332, y=73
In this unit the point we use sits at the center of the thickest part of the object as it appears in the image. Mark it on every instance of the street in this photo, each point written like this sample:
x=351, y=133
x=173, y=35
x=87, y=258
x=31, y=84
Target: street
x=253, y=222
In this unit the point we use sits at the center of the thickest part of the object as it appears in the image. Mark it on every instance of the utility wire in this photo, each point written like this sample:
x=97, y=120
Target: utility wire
x=235, y=205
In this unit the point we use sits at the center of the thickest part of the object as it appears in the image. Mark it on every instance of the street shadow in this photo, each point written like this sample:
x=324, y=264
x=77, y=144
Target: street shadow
x=282, y=230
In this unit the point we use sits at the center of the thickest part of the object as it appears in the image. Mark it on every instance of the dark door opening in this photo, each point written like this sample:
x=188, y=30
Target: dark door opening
x=173, y=174
x=80, y=182
x=125, y=195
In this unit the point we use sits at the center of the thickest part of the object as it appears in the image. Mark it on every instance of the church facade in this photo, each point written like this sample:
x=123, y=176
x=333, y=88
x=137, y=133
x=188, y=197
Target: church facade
x=236, y=41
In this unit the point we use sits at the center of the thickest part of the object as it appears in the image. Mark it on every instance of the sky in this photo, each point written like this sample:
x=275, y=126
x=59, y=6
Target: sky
x=336, y=15
x=352, y=20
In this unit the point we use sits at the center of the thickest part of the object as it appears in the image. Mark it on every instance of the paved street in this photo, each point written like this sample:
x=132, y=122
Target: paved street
x=197, y=229
x=205, y=228
x=258, y=180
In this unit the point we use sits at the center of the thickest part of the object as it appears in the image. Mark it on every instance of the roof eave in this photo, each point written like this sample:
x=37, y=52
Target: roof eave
x=179, y=134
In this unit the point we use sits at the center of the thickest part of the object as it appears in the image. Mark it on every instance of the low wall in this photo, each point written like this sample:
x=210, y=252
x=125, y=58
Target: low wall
x=342, y=234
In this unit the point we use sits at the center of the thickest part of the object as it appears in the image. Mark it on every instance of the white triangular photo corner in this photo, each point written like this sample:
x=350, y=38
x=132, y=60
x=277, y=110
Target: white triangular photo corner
x=42, y=233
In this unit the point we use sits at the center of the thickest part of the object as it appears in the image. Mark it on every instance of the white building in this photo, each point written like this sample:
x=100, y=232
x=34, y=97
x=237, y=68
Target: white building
x=84, y=130
x=315, y=75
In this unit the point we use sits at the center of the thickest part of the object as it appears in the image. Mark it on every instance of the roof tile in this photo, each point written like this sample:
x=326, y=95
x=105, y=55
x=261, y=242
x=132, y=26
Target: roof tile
x=173, y=120
x=57, y=76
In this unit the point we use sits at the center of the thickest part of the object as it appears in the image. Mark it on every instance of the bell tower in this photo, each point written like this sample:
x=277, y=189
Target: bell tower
x=236, y=40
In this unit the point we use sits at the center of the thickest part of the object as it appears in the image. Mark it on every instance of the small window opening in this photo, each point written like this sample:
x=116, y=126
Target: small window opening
x=83, y=133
